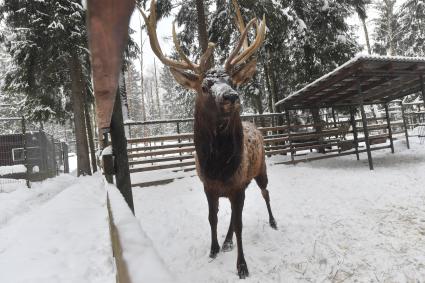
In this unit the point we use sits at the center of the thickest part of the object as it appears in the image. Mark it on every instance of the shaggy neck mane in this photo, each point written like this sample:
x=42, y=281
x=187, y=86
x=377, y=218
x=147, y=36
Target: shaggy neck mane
x=218, y=145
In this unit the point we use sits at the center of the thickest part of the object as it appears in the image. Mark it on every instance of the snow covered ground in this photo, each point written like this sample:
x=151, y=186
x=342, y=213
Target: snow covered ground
x=338, y=222
x=57, y=231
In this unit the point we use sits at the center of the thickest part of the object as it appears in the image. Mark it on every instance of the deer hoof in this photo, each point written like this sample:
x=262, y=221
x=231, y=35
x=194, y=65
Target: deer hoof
x=243, y=271
x=214, y=251
x=227, y=246
x=273, y=223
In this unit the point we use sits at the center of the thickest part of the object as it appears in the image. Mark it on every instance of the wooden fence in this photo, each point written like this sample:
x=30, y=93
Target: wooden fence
x=176, y=150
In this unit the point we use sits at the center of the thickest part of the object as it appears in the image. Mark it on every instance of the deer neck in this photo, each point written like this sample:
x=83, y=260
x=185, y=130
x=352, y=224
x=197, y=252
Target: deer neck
x=218, y=144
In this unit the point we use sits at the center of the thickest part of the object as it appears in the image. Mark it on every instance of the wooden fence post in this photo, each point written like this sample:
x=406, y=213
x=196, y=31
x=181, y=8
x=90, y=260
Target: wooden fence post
x=65, y=157
x=27, y=165
x=365, y=129
x=54, y=167
x=107, y=159
x=288, y=123
x=119, y=150
x=318, y=127
x=422, y=89
x=390, y=131
x=355, y=134
x=406, y=133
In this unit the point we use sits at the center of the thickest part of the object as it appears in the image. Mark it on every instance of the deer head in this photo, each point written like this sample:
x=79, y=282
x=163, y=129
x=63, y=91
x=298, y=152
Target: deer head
x=218, y=84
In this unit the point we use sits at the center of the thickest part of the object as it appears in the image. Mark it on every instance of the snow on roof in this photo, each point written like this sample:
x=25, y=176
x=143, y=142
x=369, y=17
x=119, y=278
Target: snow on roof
x=357, y=59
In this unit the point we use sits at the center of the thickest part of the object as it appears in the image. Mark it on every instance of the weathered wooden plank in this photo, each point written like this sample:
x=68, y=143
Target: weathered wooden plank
x=275, y=128
x=164, y=166
x=279, y=151
x=158, y=160
x=162, y=152
x=272, y=140
x=374, y=137
x=153, y=183
x=162, y=138
x=325, y=156
x=165, y=146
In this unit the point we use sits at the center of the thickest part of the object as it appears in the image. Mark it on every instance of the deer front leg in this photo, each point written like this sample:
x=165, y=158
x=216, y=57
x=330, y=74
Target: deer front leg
x=228, y=242
x=237, y=207
x=212, y=217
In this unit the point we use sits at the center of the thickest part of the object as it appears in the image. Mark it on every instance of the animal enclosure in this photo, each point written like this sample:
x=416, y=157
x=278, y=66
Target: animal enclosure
x=333, y=138
x=29, y=154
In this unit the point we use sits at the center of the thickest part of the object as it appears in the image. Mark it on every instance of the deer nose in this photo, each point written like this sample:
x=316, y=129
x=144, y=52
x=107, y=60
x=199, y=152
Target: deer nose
x=232, y=97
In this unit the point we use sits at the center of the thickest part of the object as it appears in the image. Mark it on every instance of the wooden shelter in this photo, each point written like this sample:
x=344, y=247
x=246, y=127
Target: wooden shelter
x=364, y=80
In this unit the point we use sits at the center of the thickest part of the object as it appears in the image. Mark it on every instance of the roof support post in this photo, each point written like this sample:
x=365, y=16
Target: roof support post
x=422, y=88
x=406, y=134
x=333, y=116
x=355, y=134
x=318, y=127
x=288, y=123
x=365, y=130
x=390, y=132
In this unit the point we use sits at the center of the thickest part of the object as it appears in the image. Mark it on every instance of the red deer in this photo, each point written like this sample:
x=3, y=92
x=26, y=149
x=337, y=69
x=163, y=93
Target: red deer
x=229, y=152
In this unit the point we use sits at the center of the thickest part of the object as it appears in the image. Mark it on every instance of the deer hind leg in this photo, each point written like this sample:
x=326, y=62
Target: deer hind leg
x=212, y=217
x=262, y=182
x=228, y=241
x=237, y=207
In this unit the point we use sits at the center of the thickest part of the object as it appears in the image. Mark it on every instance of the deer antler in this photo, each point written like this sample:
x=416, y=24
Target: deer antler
x=235, y=59
x=185, y=64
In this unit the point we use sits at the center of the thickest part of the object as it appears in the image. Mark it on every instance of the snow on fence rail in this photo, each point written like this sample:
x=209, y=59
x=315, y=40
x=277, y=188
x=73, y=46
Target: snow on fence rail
x=12, y=169
x=135, y=257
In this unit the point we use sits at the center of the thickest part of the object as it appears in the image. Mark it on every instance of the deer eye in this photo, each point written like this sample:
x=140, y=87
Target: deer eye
x=206, y=86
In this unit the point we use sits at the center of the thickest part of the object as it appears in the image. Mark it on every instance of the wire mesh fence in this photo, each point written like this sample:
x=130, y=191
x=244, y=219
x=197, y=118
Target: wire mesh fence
x=28, y=154
x=12, y=168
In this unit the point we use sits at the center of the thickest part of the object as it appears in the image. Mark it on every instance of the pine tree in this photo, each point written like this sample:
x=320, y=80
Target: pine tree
x=305, y=40
x=360, y=7
x=412, y=27
x=134, y=94
x=387, y=28
x=177, y=103
x=49, y=52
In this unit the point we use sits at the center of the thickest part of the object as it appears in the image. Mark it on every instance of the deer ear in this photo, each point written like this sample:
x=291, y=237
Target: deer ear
x=244, y=73
x=186, y=79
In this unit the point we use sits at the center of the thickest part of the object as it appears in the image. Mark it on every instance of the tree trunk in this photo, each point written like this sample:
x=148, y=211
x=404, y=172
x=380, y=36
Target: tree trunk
x=90, y=133
x=257, y=98
x=123, y=93
x=390, y=31
x=270, y=96
x=130, y=95
x=151, y=100
x=366, y=34
x=318, y=127
x=273, y=87
x=202, y=28
x=141, y=74
x=157, y=91
x=124, y=102
x=83, y=162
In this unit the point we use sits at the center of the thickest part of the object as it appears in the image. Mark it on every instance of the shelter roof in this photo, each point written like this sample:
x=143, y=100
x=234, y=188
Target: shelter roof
x=381, y=79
